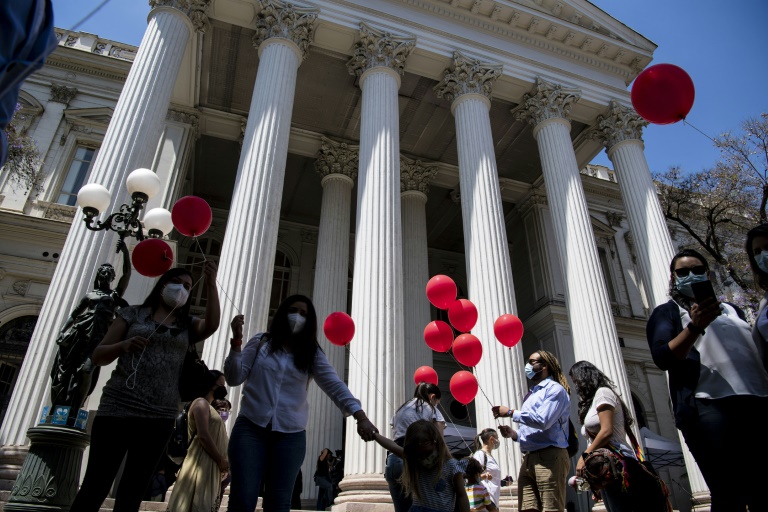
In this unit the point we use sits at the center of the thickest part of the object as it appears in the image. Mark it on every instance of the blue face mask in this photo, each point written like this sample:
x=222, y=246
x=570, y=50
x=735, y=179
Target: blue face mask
x=683, y=284
x=529, y=371
x=762, y=261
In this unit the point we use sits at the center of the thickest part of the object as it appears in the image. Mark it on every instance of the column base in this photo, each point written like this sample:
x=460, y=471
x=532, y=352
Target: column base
x=51, y=471
x=363, y=493
x=701, y=502
x=11, y=459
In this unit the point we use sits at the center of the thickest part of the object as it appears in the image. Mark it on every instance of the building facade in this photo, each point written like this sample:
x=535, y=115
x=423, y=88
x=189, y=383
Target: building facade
x=349, y=151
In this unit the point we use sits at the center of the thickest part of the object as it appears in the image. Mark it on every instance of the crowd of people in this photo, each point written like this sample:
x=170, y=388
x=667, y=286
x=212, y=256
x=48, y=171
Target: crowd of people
x=718, y=378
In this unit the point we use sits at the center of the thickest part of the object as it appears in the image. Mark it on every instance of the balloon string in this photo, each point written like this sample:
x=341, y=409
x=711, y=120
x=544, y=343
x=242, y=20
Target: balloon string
x=221, y=287
x=351, y=356
x=701, y=132
x=478, y=384
x=446, y=416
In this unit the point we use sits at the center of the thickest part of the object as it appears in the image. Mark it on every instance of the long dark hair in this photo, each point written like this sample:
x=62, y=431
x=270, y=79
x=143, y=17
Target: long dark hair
x=588, y=378
x=421, y=394
x=678, y=297
x=761, y=278
x=155, y=298
x=483, y=437
x=304, y=342
x=421, y=432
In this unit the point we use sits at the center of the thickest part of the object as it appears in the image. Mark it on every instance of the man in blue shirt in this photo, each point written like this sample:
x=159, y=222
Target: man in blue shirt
x=543, y=435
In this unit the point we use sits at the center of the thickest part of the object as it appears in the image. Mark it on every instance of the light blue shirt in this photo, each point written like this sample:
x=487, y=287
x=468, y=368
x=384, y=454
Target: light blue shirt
x=276, y=391
x=543, y=417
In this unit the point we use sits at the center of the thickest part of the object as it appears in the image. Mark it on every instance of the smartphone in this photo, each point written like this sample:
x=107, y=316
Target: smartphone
x=702, y=291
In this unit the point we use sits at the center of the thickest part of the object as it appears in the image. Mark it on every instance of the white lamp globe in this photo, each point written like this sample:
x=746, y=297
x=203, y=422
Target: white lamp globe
x=144, y=182
x=94, y=196
x=158, y=219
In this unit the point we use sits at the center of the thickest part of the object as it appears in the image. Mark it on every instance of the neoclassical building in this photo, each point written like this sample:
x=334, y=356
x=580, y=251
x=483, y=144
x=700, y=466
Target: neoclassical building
x=349, y=151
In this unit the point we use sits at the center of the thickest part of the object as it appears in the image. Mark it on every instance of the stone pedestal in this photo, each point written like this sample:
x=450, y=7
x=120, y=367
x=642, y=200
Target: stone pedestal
x=11, y=460
x=51, y=472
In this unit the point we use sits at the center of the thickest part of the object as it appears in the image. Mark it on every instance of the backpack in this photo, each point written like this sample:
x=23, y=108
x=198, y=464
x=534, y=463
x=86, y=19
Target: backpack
x=179, y=441
x=573, y=440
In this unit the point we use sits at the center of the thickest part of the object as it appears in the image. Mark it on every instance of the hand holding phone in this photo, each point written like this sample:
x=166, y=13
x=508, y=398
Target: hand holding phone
x=702, y=291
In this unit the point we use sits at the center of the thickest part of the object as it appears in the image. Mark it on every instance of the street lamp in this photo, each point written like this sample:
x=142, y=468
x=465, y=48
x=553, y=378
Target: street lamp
x=142, y=184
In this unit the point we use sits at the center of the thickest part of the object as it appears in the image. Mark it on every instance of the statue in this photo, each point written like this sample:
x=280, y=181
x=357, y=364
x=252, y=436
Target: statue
x=74, y=376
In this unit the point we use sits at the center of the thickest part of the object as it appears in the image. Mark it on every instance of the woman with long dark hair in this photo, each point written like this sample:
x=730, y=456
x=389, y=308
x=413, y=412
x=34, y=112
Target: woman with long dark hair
x=423, y=406
x=716, y=381
x=606, y=421
x=140, y=401
x=268, y=440
x=757, y=253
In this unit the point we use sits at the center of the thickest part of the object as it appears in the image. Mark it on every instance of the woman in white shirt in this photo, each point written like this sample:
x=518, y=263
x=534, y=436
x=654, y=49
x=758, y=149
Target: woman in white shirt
x=485, y=442
x=606, y=421
x=268, y=440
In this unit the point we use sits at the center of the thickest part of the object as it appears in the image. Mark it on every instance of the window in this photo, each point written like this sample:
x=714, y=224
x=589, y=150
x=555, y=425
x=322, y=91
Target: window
x=14, y=340
x=78, y=171
x=607, y=274
x=281, y=281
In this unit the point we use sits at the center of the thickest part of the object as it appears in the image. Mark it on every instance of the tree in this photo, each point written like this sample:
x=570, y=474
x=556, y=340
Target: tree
x=23, y=164
x=716, y=207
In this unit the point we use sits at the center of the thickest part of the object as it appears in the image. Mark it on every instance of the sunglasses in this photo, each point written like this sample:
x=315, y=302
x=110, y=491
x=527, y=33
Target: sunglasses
x=698, y=270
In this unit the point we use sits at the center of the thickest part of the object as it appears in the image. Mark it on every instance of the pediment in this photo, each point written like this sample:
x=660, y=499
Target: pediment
x=95, y=117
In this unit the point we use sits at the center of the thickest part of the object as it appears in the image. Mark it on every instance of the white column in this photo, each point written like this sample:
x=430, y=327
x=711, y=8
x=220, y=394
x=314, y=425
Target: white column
x=589, y=312
x=337, y=164
x=376, y=352
x=283, y=35
x=620, y=130
x=414, y=186
x=489, y=271
x=129, y=143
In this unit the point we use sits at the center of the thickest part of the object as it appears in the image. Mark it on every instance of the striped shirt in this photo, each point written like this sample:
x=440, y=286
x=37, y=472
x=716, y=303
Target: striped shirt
x=479, y=498
x=436, y=493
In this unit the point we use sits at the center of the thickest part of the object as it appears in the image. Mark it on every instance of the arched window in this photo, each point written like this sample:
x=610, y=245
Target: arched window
x=14, y=340
x=281, y=282
x=640, y=418
x=194, y=263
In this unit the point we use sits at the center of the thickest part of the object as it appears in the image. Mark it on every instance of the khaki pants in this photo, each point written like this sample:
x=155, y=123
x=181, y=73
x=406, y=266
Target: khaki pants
x=542, y=480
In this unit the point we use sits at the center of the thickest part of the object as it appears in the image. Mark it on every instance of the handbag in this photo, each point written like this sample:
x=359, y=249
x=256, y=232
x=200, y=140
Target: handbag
x=194, y=373
x=603, y=467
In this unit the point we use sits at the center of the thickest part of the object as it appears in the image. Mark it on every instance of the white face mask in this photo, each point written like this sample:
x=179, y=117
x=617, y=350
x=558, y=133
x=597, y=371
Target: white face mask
x=762, y=261
x=175, y=295
x=296, y=322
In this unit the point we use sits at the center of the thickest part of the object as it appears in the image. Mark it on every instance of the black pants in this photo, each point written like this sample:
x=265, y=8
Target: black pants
x=143, y=440
x=643, y=494
x=730, y=449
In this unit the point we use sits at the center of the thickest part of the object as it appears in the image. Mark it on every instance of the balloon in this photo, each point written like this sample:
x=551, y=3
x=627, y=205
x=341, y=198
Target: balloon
x=438, y=335
x=663, y=94
x=463, y=386
x=152, y=257
x=425, y=374
x=441, y=291
x=508, y=330
x=467, y=349
x=339, y=328
x=463, y=315
x=191, y=216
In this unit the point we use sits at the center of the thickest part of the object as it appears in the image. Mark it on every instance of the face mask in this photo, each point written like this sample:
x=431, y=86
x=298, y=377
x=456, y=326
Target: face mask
x=529, y=371
x=429, y=461
x=683, y=284
x=175, y=295
x=495, y=445
x=224, y=415
x=762, y=261
x=296, y=322
x=219, y=393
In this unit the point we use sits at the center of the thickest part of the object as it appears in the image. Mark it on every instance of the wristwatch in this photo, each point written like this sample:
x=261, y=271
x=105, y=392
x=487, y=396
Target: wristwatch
x=695, y=329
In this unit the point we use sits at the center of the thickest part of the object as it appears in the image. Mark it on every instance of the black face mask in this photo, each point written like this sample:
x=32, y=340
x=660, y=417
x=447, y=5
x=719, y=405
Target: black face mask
x=220, y=393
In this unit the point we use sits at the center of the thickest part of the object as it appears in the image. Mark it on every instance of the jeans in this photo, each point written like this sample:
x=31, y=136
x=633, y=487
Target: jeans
x=392, y=473
x=325, y=493
x=257, y=453
x=141, y=441
x=729, y=446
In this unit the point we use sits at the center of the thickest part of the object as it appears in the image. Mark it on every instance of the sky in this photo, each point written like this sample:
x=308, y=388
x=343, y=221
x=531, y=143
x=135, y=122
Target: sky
x=721, y=45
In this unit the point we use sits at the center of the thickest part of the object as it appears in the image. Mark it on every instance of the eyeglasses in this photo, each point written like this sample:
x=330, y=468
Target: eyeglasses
x=534, y=361
x=698, y=270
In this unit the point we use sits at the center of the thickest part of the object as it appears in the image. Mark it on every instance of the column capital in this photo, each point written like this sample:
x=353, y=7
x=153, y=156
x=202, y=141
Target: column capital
x=547, y=100
x=536, y=198
x=192, y=118
x=618, y=124
x=337, y=158
x=279, y=19
x=62, y=93
x=195, y=10
x=468, y=76
x=379, y=48
x=415, y=175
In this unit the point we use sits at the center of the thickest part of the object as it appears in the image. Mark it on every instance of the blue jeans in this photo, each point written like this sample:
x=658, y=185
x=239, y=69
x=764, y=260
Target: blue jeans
x=258, y=453
x=324, y=493
x=392, y=473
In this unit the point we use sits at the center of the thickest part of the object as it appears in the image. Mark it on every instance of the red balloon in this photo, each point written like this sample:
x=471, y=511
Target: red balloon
x=663, y=94
x=425, y=374
x=508, y=330
x=152, y=257
x=441, y=291
x=339, y=328
x=438, y=336
x=463, y=315
x=467, y=349
x=191, y=216
x=463, y=386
